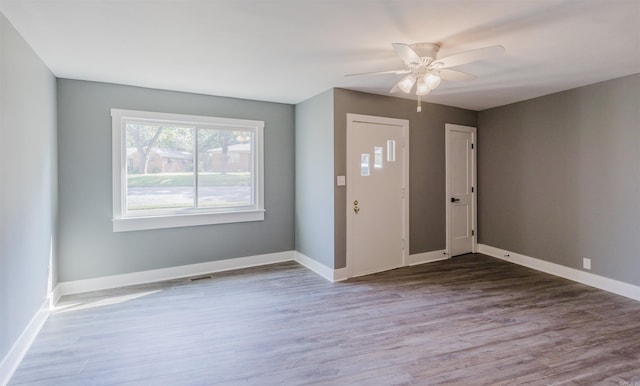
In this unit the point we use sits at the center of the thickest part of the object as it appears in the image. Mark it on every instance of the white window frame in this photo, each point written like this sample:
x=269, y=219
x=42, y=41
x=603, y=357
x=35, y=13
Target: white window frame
x=126, y=221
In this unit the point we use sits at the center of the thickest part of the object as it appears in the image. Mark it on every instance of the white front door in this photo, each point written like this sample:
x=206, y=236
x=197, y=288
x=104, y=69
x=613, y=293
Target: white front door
x=377, y=194
x=461, y=199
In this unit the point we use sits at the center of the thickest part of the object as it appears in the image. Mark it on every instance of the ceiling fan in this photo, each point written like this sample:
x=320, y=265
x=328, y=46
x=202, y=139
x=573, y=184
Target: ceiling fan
x=426, y=71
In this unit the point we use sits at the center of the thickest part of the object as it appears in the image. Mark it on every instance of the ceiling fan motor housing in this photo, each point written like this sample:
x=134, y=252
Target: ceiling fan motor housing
x=426, y=50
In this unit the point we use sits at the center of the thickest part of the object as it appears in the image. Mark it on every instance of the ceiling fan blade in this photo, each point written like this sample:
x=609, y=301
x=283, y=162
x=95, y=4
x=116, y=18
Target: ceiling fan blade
x=407, y=53
x=455, y=75
x=468, y=57
x=381, y=72
x=394, y=89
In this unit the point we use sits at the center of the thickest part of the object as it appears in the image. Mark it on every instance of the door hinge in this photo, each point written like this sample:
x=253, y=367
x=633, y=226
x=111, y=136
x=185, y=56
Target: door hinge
x=473, y=233
x=472, y=189
x=472, y=146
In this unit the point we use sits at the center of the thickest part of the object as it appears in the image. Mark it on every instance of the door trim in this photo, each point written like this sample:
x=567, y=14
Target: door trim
x=448, y=127
x=402, y=124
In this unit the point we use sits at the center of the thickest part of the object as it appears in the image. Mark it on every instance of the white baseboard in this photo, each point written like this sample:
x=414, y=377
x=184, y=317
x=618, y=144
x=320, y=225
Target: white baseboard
x=588, y=278
x=341, y=274
x=315, y=266
x=157, y=275
x=54, y=296
x=333, y=275
x=427, y=257
x=13, y=358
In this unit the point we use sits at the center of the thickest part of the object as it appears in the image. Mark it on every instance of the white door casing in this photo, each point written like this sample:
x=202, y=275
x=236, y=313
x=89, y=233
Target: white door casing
x=460, y=189
x=377, y=194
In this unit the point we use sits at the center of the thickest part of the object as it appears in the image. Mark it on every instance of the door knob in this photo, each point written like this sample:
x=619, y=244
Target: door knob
x=453, y=199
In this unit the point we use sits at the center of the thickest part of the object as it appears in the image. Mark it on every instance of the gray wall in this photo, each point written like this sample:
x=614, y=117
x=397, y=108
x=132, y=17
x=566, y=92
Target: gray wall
x=314, y=178
x=87, y=246
x=28, y=201
x=559, y=178
x=426, y=163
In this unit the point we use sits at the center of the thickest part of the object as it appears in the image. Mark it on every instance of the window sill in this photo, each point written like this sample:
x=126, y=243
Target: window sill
x=176, y=221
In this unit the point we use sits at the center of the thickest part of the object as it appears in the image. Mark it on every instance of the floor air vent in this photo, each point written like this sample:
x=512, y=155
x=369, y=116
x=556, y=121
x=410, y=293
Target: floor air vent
x=198, y=278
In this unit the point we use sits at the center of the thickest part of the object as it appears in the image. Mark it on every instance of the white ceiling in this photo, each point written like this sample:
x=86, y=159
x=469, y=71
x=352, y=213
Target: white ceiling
x=290, y=50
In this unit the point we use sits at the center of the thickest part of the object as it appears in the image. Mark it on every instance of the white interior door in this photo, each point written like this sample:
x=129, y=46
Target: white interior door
x=377, y=194
x=461, y=195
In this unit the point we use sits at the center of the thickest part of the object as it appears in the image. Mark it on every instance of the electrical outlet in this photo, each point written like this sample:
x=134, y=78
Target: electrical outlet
x=586, y=263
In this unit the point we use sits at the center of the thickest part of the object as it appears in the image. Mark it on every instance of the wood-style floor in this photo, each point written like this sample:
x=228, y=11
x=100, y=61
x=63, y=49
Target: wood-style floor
x=471, y=320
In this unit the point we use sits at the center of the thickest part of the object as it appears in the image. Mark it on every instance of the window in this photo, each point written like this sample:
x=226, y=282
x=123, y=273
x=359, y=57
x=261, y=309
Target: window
x=173, y=170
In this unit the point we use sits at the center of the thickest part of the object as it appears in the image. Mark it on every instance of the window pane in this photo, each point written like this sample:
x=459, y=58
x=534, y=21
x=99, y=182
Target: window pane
x=377, y=159
x=391, y=150
x=225, y=168
x=159, y=167
x=364, y=165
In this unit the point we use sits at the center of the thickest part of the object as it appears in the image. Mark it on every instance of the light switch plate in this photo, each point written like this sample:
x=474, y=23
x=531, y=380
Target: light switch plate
x=342, y=181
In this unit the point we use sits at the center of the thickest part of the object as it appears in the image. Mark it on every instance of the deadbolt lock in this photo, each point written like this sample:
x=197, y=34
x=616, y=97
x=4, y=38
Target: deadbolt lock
x=356, y=209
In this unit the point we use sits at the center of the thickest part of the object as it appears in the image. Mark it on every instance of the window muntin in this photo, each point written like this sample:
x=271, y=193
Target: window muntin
x=206, y=170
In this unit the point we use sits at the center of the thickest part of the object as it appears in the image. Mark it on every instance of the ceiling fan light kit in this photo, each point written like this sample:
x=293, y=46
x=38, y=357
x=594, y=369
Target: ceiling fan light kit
x=426, y=71
x=423, y=87
x=432, y=80
x=406, y=84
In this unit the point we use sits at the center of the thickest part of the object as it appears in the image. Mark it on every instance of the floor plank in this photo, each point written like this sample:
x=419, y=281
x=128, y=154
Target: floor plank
x=468, y=320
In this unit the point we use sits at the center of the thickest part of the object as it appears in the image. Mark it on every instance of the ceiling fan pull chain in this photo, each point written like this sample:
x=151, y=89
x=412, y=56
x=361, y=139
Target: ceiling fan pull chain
x=419, y=109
